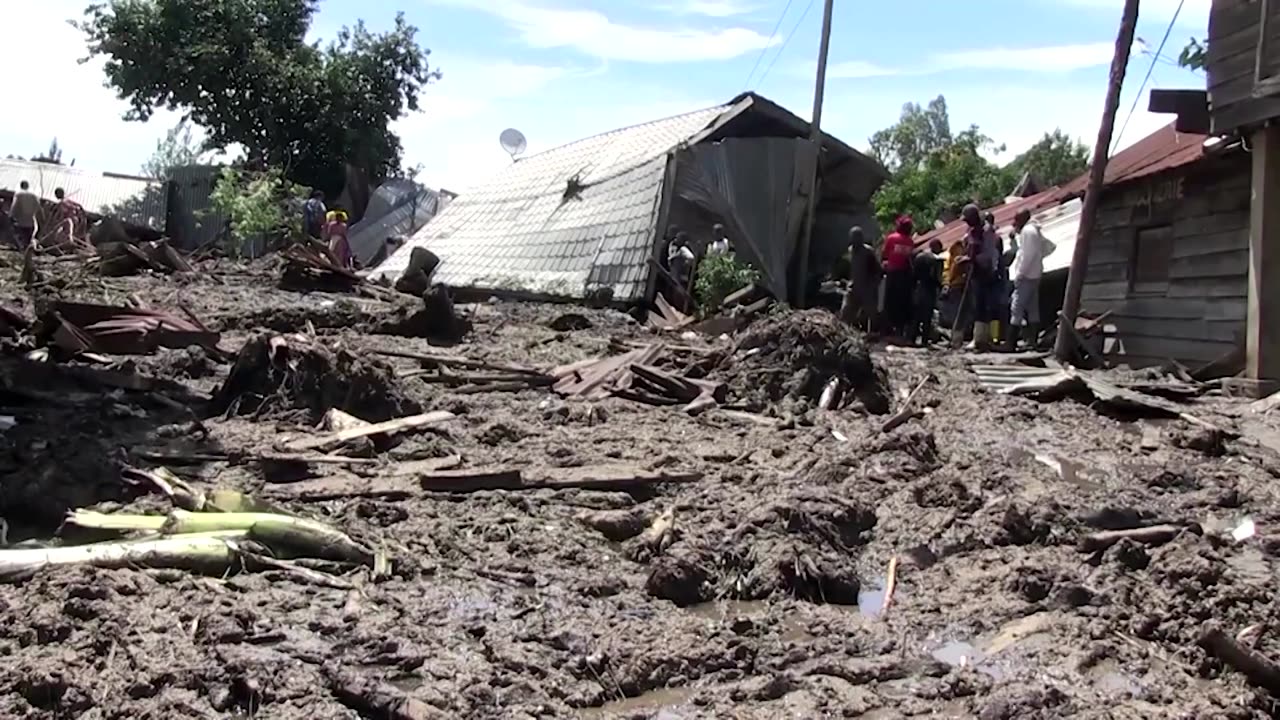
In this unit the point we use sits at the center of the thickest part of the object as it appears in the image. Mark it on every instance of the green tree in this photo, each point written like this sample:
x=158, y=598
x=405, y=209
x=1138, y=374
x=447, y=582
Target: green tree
x=933, y=171
x=177, y=149
x=244, y=71
x=257, y=204
x=1193, y=56
x=919, y=132
x=52, y=156
x=1055, y=159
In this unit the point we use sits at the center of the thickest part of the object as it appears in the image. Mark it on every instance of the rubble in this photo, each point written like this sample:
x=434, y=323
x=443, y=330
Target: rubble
x=578, y=540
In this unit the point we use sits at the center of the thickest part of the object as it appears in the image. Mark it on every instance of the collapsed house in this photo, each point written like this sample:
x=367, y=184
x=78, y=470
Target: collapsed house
x=1168, y=261
x=397, y=209
x=141, y=204
x=588, y=219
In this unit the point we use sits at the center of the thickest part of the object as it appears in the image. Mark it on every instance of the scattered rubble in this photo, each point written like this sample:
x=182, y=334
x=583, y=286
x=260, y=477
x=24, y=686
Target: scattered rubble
x=837, y=530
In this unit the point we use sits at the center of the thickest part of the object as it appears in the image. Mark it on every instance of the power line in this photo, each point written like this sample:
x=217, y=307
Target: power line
x=785, y=42
x=1151, y=68
x=765, y=49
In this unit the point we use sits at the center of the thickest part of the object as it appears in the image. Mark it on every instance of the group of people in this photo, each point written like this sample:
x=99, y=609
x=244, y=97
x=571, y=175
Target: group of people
x=682, y=260
x=328, y=227
x=23, y=217
x=986, y=284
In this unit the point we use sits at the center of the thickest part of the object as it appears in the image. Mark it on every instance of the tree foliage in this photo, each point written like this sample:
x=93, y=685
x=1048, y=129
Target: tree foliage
x=934, y=172
x=718, y=276
x=177, y=149
x=257, y=204
x=920, y=132
x=52, y=156
x=1055, y=159
x=244, y=71
x=1194, y=55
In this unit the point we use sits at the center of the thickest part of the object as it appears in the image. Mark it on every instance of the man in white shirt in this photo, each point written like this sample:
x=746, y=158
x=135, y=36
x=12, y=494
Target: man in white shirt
x=1028, y=265
x=680, y=260
x=719, y=241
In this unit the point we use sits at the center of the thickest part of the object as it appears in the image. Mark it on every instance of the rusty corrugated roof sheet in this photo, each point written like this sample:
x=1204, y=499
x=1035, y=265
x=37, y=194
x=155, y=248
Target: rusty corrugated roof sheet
x=1164, y=149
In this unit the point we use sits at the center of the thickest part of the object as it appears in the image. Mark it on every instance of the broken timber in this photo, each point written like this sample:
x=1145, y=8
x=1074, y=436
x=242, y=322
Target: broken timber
x=606, y=477
x=1260, y=670
x=389, y=427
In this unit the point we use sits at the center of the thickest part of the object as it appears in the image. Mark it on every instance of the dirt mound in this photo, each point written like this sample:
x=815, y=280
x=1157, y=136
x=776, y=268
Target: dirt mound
x=281, y=374
x=790, y=357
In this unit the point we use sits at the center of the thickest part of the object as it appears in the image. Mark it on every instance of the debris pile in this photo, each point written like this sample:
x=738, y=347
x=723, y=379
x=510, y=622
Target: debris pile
x=286, y=373
x=121, y=330
x=634, y=375
x=791, y=358
x=118, y=259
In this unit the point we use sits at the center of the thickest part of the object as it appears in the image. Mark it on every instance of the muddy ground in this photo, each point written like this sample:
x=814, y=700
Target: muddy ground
x=766, y=602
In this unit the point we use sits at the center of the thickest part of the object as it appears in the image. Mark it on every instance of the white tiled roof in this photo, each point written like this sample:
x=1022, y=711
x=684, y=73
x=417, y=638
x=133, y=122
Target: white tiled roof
x=520, y=231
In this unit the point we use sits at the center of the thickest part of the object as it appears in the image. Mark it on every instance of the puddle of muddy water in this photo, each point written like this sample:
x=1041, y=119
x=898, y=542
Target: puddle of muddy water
x=998, y=656
x=664, y=704
x=793, y=630
x=871, y=599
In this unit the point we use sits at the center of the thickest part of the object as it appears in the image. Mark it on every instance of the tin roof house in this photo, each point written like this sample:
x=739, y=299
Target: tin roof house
x=588, y=219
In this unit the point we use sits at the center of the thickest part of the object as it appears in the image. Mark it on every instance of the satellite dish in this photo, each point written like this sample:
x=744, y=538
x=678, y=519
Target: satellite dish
x=513, y=142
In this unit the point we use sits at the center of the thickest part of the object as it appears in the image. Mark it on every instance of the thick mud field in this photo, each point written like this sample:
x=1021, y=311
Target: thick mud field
x=763, y=598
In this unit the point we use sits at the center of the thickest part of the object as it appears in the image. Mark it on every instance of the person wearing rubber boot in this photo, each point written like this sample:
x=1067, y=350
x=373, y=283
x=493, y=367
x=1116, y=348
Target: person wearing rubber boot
x=1027, y=267
x=982, y=250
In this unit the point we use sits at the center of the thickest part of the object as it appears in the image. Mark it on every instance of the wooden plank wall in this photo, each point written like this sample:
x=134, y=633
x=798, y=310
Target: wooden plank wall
x=1201, y=313
x=1230, y=63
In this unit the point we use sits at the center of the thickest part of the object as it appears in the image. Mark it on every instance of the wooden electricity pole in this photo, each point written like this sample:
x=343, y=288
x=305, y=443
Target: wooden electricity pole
x=1097, y=176
x=815, y=138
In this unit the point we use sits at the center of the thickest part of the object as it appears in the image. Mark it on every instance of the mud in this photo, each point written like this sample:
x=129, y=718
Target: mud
x=764, y=601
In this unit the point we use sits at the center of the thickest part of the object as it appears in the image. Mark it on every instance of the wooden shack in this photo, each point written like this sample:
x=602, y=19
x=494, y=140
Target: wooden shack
x=1242, y=69
x=1170, y=254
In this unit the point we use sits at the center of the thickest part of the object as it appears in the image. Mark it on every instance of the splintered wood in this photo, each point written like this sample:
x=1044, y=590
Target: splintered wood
x=632, y=375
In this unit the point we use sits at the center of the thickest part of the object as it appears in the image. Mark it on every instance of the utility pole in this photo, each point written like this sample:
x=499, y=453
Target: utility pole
x=815, y=138
x=1097, y=179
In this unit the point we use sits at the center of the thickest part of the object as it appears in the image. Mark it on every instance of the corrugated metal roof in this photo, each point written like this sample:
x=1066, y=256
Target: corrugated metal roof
x=1164, y=149
x=954, y=231
x=134, y=200
x=520, y=232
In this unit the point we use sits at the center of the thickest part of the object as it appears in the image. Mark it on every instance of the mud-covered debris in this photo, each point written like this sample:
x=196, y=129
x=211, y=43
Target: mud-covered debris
x=616, y=525
x=121, y=330
x=125, y=258
x=793, y=355
x=1210, y=441
x=435, y=319
x=680, y=577
x=569, y=322
x=276, y=374
x=313, y=267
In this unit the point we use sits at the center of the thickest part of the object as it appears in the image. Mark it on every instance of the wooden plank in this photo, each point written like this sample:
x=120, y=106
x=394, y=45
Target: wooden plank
x=1187, y=245
x=1214, y=330
x=1161, y=350
x=1103, y=292
x=1262, y=345
x=1182, y=308
x=1209, y=287
x=389, y=427
x=1221, y=264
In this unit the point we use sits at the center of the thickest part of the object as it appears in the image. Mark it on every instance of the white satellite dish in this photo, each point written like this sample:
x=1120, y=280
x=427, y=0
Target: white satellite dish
x=513, y=142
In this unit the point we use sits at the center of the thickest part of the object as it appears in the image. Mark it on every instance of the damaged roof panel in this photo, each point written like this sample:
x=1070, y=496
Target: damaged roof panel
x=134, y=200
x=564, y=221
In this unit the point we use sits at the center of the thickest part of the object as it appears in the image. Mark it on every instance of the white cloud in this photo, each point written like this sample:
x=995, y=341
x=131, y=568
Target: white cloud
x=1044, y=59
x=854, y=69
x=593, y=33
x=714, y=8
x=1052, y=58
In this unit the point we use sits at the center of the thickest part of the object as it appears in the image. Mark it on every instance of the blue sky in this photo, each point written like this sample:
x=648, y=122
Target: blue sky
x=563, y=69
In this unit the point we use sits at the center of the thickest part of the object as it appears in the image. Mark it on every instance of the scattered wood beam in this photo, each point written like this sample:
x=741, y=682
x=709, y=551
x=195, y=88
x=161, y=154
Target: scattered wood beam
x=334, y=439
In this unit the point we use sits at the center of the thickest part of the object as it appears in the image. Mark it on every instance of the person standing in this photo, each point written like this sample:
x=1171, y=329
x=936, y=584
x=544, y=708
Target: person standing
x=858, y=308
x=720, y=244
x=680, y=259
x=313, y=215
x=896, y=261
x=26, y=208
x=926, y=271
x=1026, y=270
x=335, y=233
x=983, y=258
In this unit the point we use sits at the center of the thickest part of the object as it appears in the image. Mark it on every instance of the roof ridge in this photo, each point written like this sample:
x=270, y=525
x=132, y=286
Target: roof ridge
x=623, y=129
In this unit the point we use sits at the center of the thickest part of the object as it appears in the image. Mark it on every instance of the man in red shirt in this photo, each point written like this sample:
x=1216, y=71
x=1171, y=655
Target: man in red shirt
x=895, y=257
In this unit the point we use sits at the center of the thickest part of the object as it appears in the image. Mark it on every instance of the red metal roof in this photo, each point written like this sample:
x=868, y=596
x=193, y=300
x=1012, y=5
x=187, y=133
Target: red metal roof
x=1163, y=149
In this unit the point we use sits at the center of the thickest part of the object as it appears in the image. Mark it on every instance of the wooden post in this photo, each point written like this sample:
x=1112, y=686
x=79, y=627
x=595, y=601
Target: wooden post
x=815, y=138
x=1065, y=344
x=1262, y=347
